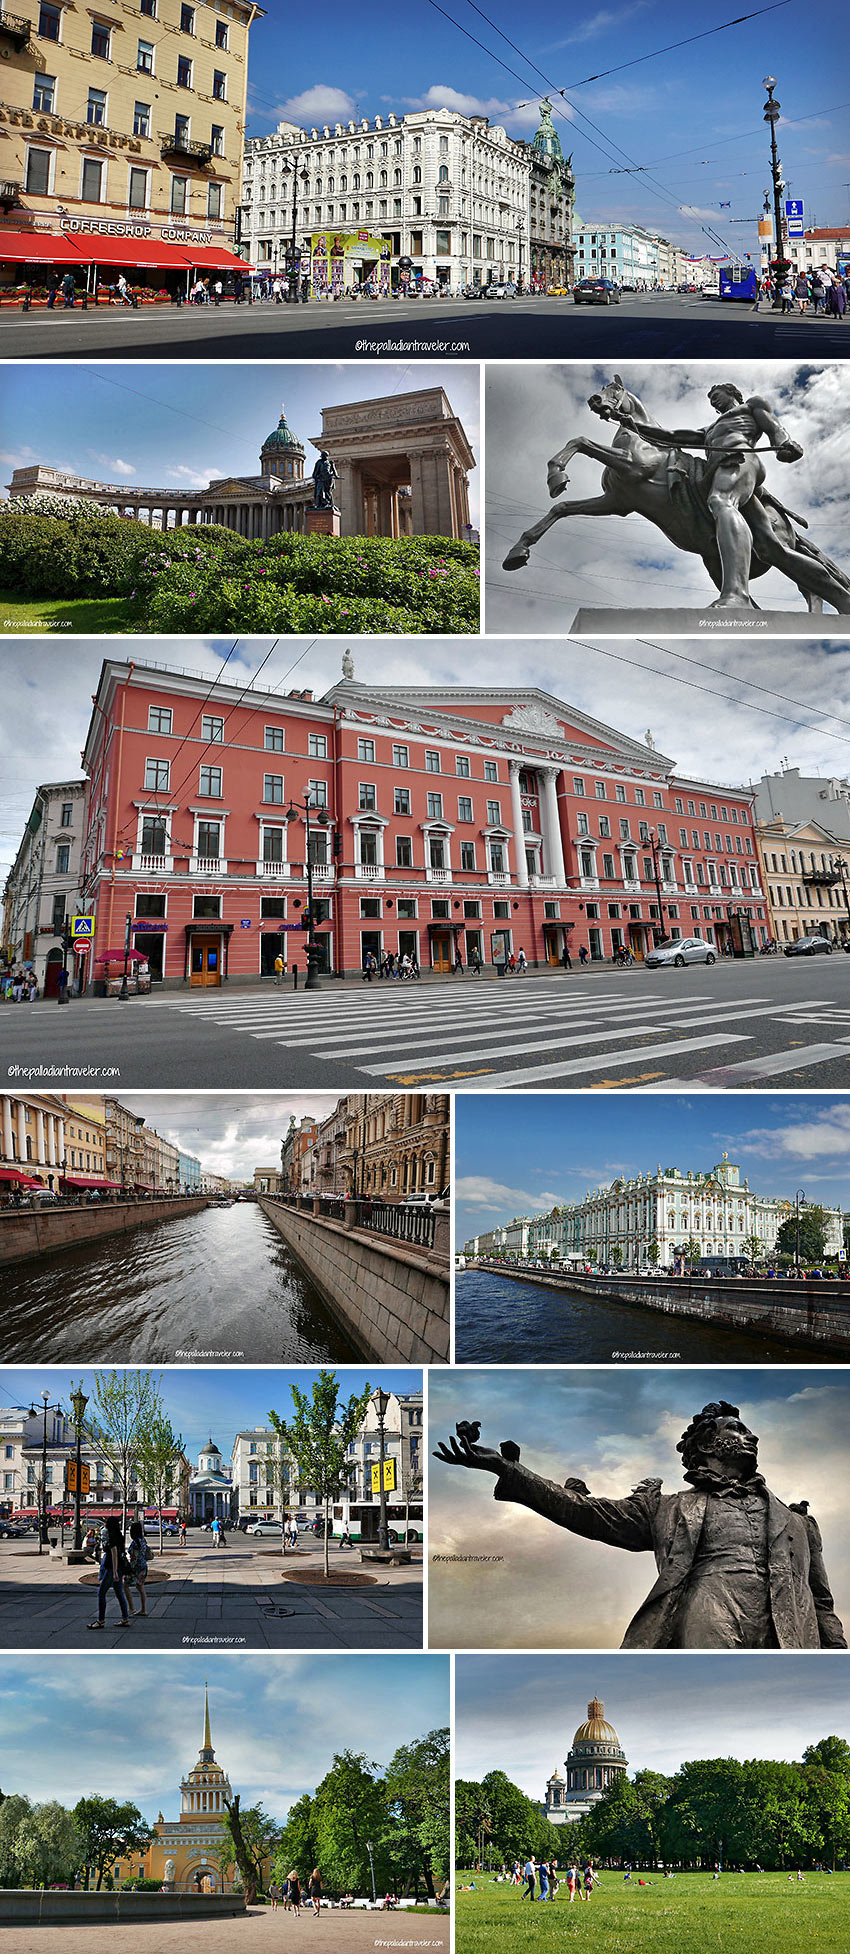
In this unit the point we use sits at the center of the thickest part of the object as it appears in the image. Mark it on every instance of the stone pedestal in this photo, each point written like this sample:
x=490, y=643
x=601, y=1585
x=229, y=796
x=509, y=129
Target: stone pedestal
x=323, y=522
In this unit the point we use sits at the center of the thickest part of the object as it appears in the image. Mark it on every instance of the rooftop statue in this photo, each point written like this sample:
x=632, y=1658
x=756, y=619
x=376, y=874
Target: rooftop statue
x=737, y=1569
x=715, y=505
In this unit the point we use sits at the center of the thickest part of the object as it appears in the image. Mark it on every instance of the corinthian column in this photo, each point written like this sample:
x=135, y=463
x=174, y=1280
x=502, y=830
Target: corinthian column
x=519, y=831
x=554, y=844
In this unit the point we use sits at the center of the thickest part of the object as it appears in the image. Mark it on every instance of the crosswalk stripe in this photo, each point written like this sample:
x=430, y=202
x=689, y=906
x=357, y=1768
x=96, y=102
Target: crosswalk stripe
x=464, y=1026
x=593, y=1063
x=773, y=1063
x=641, y=1018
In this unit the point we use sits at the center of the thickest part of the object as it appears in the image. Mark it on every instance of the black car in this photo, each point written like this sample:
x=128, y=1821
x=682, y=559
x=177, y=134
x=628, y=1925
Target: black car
x=809, y=946
x=10, y=1532
x=596, y=291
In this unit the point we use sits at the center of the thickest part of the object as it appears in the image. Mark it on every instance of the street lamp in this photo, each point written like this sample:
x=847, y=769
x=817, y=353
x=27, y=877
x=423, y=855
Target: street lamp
x=371, y=1851
x=519, y=228
x=78, y=1403
x=322, y=820
x=653, y=843
x=838, y=866
x=380, y=1400
x=42, y=1523
x=298, y=177
x=798, y=1199
x=772, y=110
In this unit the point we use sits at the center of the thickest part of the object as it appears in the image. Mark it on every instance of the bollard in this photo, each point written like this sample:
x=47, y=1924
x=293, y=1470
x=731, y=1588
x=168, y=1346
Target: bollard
x=295, y=977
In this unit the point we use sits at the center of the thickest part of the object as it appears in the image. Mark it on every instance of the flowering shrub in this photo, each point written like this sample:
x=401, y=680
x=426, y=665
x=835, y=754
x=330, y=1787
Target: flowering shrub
x=202, y=578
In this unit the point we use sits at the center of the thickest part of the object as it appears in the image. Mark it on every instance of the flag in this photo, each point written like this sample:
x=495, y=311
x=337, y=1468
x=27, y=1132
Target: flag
x=726, y=206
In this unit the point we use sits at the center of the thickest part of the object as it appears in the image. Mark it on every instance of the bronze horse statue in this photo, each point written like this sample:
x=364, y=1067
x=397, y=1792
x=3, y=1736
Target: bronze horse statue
x=665, y=486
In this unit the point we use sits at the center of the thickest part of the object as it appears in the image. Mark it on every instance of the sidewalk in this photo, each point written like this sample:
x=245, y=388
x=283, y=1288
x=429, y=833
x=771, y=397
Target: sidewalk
x=355, y=1931
x=238, y=1597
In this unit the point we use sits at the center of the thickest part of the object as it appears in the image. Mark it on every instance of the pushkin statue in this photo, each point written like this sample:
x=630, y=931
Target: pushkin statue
x=718, y=507
x=737, y=1569
x=324, y=476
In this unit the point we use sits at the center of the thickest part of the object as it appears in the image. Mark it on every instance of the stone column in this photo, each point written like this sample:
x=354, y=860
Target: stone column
x=349, y=494
x=7, y=1127
x=41, y=1155
x=519, y=831
x=22, y=1132
x=554, y=845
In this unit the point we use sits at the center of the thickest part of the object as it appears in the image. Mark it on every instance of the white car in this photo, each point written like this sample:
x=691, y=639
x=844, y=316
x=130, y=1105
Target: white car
x=265, y=1526
x=683, y=949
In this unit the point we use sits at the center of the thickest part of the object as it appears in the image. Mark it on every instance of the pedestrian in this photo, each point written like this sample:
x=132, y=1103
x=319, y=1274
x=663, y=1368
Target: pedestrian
x=588, y=1880
x=836, y=299
x=818, y=292
x=295, y=1892
x=123, y=292
x=52, y=286
x=138, y=1558
x=801, y=291
x=62, y=986
x=345, y=1537
x=522, y=963
x=458, y=962
x=475, y=961
x=274, y=1895
x=512, y=965
x=572, y=1879
x=553, y=1879
x=406, y=968
x=543, y=1876
x=316, y=1889
x=566, y=959
x=786, y=296
x=278, y=970
x=113, y=1568
x=582, y=955
x=368, y=967
x=69, y=290
x=218, y=289
x=182, y=1533
x=529, y=1874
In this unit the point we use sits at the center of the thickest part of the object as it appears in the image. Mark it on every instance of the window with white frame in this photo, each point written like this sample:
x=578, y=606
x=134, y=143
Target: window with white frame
x=157, y=776
x=209, y=784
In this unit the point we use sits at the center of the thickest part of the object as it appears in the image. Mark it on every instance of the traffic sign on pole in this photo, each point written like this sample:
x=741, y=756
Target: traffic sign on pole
x=82, y=926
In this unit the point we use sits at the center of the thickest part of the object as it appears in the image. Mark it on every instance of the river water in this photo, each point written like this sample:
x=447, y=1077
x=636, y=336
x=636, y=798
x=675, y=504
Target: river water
x=218, y=1286
x=501, y=1321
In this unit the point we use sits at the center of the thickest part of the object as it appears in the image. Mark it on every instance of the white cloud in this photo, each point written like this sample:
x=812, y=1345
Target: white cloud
x=317, y=105
x=19, y=460
x=599, y=23
x=198, y=478
x=477, y=1191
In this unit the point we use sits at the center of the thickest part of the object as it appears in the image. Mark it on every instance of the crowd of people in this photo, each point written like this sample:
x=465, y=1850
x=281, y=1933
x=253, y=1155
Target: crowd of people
x=822, y=291
x=541, y=1879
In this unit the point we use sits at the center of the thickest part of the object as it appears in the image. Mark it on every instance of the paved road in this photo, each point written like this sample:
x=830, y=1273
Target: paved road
x=733, y=1025
x=214, y=1598
x=645, y=324
x=257, y=1932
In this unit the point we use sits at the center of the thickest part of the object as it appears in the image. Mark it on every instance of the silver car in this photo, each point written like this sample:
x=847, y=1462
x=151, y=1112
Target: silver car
x=683, y=949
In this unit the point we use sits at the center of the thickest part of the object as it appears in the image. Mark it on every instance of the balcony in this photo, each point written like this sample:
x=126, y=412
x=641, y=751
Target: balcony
x=438, y=875
x=322, y=871
x=589, y=882
x=498, y=879
x=273, y=871
x=821, y=878
x=199, y=153
x=153, y=864
x=207, y=865
x=10, y=193
x=543, y=882
x=369, y=871
x=14, y=28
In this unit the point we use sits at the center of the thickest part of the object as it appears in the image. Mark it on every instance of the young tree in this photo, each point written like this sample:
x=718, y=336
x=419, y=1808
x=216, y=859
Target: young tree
x=319, y=1436
x=121, y=1403
x=47, y=1845
x=692, y=1251
x=108, y=1831
x=158, y=1451
x=753, y=1248
x=617, y=1256
x=653, y=1254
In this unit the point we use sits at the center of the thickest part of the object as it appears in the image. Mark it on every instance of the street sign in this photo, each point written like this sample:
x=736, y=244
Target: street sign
x=85, y=1475
x=389, y=1477
x=245, y=923
x=793, y=206
x=796, y=227
x=82, y=926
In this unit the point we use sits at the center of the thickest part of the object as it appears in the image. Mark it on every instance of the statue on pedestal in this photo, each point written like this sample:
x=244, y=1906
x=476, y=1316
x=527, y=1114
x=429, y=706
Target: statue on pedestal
x=737, y=1569
x=324, y=476
x=718, y=507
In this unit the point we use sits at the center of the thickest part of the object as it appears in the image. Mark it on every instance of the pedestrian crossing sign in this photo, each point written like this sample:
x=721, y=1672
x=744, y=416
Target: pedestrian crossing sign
x=82, y=927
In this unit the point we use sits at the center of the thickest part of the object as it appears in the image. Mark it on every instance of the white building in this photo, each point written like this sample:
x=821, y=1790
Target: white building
x=827, y=244
x=255, y=1478
x=624, y=253
x=448, y=193
x=595, y=1760
x=43, y=883
x=621, y=1226
x=22, y=1433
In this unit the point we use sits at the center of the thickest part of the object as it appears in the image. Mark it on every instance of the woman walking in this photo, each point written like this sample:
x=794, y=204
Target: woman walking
x=316, y=1889
x=572, y=1877
x=295, y=1892
x=138, y=1567
x=113, y=1567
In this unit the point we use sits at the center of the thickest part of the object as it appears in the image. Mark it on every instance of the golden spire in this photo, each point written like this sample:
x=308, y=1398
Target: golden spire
x=207, y=1743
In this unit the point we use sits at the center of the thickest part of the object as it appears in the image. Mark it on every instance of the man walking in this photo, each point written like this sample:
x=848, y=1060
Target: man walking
x=278, y=970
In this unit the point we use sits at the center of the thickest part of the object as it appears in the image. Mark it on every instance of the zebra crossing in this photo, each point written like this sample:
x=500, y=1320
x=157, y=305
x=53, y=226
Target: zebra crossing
x=535, y=1032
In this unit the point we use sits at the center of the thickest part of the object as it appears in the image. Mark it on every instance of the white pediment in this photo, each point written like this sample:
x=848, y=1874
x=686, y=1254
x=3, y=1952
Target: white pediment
x=533, y=719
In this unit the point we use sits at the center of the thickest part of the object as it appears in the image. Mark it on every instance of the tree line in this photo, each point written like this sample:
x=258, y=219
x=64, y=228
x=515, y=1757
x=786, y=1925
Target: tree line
x=762, y=1812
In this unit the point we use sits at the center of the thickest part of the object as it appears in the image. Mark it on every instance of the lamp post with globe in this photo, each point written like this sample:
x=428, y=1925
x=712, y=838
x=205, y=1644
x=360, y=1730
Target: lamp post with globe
x=321, y=818
x=780, y=264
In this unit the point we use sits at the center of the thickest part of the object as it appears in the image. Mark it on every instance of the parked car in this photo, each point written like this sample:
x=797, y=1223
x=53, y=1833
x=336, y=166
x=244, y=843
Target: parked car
x=809, y=946
x=264, y=1527
x=8, y=1531
x=683, y=949
x=596, y=291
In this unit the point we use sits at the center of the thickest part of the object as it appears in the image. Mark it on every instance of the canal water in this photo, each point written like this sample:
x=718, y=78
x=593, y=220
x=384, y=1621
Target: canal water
x=501, y=1321
x=218, y=1286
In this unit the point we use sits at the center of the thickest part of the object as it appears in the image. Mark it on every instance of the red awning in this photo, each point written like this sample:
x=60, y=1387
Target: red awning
x=213, y=257
x=117, y=956
x=124, y=252
x=36, y=248
x=25, y=1180
x=76, y=1180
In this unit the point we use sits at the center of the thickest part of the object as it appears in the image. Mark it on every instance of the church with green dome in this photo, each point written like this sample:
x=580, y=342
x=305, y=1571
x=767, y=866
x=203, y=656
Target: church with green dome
x=552, y=189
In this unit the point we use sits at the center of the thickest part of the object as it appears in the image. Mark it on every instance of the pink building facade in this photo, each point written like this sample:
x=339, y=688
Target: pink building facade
x=450, y=820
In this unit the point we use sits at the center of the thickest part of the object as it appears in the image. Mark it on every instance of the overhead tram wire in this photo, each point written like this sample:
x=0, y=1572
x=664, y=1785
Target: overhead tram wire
x=658, y=189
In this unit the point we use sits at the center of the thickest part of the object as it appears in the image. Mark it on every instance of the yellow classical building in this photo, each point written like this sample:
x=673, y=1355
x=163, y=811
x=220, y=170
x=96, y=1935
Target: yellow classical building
x=185, y=1851
x=806, y=878
x=121, y=134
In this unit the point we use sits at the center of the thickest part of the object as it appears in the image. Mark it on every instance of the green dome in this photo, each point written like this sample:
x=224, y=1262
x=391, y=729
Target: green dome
x=282, y=437
x=547, y=142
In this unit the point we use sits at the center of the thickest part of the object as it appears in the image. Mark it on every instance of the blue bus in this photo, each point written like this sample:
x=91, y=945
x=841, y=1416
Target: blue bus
x=738, y=280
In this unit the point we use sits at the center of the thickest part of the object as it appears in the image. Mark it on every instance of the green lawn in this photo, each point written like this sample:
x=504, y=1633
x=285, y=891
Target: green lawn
x=756, y=1913
x=68, y=614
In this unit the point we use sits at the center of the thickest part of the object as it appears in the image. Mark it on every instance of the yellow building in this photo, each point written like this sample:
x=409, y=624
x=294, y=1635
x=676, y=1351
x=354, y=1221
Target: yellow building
x=806, y=878
x=184, y=1854
x=121, y=135
x=84, y=1162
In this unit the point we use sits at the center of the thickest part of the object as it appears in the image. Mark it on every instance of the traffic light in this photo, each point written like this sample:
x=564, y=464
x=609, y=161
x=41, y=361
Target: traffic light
x=306, y=920
x=67, y=939
x=337, y=841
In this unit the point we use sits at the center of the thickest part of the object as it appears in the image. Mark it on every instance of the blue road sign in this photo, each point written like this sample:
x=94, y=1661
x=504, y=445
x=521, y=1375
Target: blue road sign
x=796, y=227
x=82, y=926
x=793, y=206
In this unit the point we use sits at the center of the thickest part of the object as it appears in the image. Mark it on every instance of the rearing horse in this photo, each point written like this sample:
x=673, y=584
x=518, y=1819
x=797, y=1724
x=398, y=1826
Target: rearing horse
x=664, y=485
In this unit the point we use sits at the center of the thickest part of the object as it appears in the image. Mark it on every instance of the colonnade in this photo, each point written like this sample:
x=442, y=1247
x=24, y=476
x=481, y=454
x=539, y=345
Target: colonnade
x=48, y=1141
x=553, y=847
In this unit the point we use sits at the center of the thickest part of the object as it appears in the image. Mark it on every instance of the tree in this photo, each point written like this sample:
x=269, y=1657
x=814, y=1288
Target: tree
x=279, y=1477
x=47, y=1845
x=753, y=1248
x=158, y=1450
x=349, y=1809
x=122, y=1401
x=833, y=1753
x=617, y=1256
x=812, y=1234
x=417, y=1789
x=108, y=1831
x=692, y=1251
x=13, y=1811
x=297, y=1843
x=319, y=1437
x=248, y=1839
x=653, y=1254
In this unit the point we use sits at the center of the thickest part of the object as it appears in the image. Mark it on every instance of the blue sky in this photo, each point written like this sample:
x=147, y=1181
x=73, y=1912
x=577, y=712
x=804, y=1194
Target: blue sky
x=178, y=427
x=208, y=1403
x=130, y=1726
x=550, y=1147
x=546, y=1588
x=519, y=1716
x=692, y=118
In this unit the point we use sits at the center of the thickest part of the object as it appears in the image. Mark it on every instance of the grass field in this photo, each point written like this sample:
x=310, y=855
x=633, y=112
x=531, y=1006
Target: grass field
x=756, y=1913
x=68, y=614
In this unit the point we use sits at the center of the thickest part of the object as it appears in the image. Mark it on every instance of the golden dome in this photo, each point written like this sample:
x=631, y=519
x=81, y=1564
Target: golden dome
x=596, y=1730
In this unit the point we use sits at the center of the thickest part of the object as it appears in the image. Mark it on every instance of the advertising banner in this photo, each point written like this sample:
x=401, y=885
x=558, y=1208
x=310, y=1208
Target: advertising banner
x=332, y=251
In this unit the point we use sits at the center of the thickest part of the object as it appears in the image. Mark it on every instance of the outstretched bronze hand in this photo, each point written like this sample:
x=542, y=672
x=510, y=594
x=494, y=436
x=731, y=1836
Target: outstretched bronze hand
x=461, y=1452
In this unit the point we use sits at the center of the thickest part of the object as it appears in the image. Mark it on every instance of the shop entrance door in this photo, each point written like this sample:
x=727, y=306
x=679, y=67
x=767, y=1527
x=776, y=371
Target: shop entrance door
x=206, y=962
x=441, y=952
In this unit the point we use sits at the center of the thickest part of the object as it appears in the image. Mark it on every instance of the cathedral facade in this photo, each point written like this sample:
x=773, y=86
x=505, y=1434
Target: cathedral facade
x=595, y=1759
x=184, y=1853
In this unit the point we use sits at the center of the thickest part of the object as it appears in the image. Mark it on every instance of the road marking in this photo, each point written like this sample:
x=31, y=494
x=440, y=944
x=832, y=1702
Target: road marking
x=773, y=1063
x=592, y=1063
